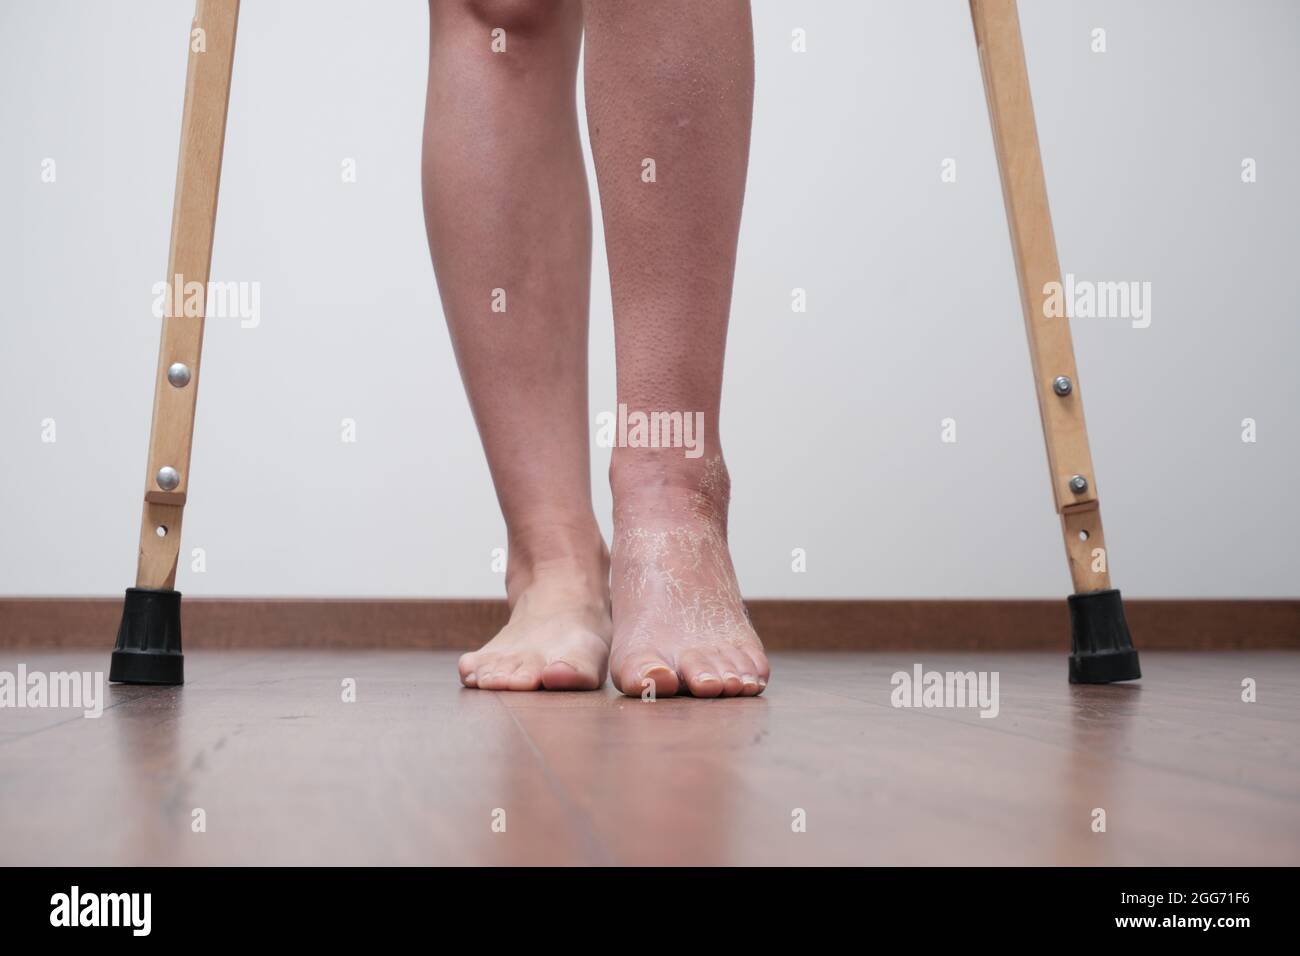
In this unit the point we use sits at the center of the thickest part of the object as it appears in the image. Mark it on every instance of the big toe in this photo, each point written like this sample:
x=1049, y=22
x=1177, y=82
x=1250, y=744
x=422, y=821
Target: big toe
x=575, y=675
x=645, y=671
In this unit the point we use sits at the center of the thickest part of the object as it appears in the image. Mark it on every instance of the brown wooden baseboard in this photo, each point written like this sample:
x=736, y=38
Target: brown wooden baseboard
x=783, y=624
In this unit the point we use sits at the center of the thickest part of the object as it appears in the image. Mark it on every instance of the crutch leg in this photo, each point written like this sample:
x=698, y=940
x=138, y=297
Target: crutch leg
x=148, y=649
x=1102, y=650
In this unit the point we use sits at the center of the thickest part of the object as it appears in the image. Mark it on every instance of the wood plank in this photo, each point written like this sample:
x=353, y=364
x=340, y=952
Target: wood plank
x=412, y=771
x=285, y=771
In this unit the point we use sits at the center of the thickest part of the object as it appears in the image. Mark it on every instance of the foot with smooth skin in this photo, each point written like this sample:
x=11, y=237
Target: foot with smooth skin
x=559, y=631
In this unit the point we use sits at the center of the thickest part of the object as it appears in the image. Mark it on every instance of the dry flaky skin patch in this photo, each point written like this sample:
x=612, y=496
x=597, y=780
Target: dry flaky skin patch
x=679, y=574
x=715, y=488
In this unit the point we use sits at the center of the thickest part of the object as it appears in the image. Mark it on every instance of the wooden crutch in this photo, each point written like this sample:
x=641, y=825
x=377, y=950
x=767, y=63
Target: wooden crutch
x=1102, y=650
x=148, y=649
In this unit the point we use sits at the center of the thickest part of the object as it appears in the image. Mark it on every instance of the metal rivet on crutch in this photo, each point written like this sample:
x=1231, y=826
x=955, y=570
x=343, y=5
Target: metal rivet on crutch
x=168, y=478
x=1078, y=484
x=178, y=374
x=1062, y=385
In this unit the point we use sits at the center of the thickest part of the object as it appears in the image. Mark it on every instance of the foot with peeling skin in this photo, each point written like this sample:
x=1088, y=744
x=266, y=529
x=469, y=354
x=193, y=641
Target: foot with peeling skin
x=558, y=635
x=679, y=620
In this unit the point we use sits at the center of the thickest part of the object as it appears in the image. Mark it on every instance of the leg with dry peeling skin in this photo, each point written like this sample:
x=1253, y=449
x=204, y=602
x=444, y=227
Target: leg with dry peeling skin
x=669, y=91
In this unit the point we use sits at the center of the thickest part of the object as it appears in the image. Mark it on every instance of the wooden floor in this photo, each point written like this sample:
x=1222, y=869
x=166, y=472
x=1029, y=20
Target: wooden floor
x=413, y=771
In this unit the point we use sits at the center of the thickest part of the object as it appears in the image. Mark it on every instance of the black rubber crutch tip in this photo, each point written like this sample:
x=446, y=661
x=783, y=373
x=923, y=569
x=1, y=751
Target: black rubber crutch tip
x=148, y=649
x=1101, y=648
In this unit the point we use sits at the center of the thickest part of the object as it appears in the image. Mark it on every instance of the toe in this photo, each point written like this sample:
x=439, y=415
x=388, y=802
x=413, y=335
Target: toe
x=731, y=683
x=761, y=672
x=702, y=671
x=524, y=677
x=751, y=684
x=561, y=675
x=494, y=672
x=649, y=670
x=577, y=664
x=749, y=670
x=468, y=667
x=735, y=665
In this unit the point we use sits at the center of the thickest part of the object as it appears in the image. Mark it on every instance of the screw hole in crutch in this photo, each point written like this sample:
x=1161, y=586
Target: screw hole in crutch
x=1083, y=535
x=161, y=531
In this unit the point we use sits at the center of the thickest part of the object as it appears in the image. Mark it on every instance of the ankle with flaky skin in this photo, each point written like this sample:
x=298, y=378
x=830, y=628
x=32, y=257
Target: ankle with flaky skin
x=650, y=486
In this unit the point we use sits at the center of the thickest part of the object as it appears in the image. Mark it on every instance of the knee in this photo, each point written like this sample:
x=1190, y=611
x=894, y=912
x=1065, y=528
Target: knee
x=521, y=17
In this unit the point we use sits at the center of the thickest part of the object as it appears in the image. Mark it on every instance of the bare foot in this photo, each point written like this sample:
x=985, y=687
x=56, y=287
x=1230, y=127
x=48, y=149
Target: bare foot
x=559, y=630
x=679, y=620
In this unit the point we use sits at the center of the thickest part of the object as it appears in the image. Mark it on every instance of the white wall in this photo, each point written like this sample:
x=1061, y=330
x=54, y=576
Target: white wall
x=831, y=417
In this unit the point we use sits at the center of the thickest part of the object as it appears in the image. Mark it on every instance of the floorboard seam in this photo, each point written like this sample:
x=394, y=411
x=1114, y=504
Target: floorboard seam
x=594, y=844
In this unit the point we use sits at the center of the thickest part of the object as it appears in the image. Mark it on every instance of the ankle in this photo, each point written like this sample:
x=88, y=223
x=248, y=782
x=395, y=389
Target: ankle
x=565, y=558
x=647, y=489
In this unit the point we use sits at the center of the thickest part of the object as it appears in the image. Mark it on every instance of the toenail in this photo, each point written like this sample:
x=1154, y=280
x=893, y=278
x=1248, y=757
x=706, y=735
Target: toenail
x=471, y=676
x=761, y=682
x=730, y=676
x=748, y=679
x=704, y=677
